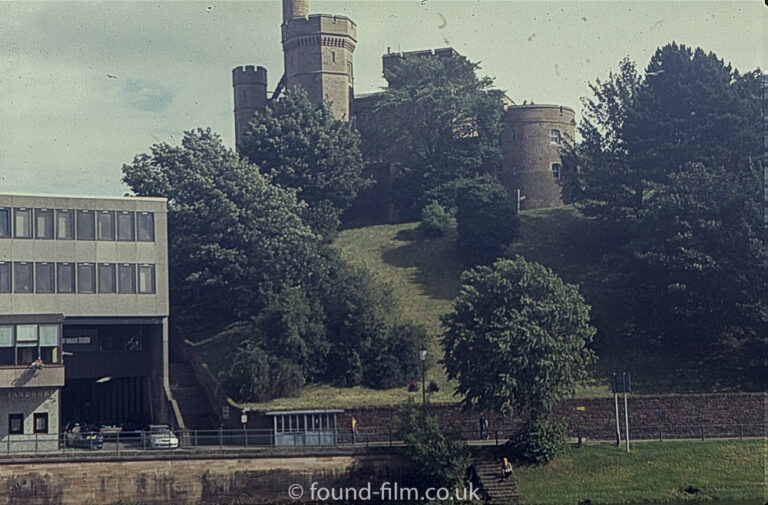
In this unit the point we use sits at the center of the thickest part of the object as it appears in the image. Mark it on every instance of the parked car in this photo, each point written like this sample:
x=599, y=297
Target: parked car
x=161, y=437
x=110, y=431
x=83, y=435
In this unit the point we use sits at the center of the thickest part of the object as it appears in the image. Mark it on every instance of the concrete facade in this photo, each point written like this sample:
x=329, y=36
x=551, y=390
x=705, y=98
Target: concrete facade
x=83, y=313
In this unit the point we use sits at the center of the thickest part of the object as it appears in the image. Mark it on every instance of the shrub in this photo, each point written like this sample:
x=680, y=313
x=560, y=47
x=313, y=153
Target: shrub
x=436, y=221
x=286, y=378
x=438, y=457
x=538, y=441
x=248, y=377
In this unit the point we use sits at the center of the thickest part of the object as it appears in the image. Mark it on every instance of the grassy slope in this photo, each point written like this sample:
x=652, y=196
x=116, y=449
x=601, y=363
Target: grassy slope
x=653, y=471
x=425, y=274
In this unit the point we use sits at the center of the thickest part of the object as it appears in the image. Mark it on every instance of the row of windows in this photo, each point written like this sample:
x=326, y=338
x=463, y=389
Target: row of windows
x=16, y=423
x=49, y=277
x=68, y=224
x=23, y=344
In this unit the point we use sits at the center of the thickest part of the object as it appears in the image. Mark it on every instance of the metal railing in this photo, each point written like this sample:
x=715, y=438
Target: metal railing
x=128, y=442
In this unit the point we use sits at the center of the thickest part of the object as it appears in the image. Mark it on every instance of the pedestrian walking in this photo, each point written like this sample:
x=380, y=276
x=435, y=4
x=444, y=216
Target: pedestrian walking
x=483, y=428
x=353, y=429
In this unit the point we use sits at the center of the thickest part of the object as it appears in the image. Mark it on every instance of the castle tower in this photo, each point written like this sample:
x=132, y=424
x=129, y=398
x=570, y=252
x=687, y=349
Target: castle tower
x=250, y=88
x=530, y=140
x=317, y=53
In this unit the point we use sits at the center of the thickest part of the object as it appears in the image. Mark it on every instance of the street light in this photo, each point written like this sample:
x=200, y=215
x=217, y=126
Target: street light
x=423, y=358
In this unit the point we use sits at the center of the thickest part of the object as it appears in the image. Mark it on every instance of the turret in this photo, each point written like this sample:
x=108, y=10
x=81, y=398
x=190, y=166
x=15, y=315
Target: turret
x=531, y=140
x=295, y=9
x=250, y=89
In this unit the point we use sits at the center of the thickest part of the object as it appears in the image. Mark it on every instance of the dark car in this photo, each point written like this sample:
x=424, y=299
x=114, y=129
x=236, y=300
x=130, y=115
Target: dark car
x=83, y=435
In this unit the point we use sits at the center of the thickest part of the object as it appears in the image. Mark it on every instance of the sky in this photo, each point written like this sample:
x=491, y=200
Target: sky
x=86, y=86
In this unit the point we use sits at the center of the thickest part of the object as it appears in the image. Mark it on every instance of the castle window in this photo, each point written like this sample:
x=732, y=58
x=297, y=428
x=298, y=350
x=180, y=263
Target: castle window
x=556, y=171
x=554, y=136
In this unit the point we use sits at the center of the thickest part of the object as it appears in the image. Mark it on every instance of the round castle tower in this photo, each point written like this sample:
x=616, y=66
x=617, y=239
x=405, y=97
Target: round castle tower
x=530, y=140
x=317, y=53
x=250, y=87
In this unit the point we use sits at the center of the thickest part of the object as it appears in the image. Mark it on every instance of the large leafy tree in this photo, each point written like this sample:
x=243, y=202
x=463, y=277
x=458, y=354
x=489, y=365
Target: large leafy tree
x=671, y=162
x=517, y=338
x=302, y=146
x=235, y=239
x=438, y=121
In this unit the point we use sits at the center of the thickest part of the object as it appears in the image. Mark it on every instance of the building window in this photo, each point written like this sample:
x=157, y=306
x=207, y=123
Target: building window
x=65, y=225
x=5, y=277
x=126, y=277
x=26, y=343
x=125, y=228
x=86, y=278
x=556, y=171
x=105, y=224
x=41, y=422
x=44, y=223
x=85, y=226
x=106, y=278
x=5, y=223
x=6, y=345
x=22, y=277
x=49, y=343
x=554, y=136
x=44, y=278
x=15, y=424
x=146, y=279
x=65, y=277
x=22, y=223
x=146, y=226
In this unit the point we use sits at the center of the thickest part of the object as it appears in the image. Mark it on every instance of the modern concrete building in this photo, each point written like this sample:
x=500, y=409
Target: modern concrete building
x=83, y=315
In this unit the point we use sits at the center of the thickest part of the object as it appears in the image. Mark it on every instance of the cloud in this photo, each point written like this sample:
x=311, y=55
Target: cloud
x=147, y=96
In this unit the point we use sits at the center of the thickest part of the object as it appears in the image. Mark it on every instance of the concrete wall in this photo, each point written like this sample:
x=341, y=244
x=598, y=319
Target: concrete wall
x=92, y=251
x=29, y=401
x=253, y=478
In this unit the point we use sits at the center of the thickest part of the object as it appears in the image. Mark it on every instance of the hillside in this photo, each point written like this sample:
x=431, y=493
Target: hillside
x=425, y=274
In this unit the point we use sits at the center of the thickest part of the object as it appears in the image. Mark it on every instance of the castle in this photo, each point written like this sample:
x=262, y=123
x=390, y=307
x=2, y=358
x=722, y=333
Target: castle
x=318, y=57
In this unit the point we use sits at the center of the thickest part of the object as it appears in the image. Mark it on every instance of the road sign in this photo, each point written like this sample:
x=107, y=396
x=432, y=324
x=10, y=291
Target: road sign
x=621, y=383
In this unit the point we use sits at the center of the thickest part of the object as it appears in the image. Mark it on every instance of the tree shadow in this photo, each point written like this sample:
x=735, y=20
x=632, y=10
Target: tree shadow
x=435, y=267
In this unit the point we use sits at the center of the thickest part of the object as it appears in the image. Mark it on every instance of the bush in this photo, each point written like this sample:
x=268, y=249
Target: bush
x=436, y=221
x=247, y=380
x=286, y=378
x=538, y=441
x=438, y=457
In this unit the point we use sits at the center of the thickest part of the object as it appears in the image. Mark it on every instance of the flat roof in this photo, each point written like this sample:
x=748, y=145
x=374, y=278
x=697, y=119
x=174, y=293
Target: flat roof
x=300, y=412
x=86, y=197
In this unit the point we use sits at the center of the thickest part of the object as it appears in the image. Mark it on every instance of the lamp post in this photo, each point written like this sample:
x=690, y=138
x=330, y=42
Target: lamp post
x=423, y=358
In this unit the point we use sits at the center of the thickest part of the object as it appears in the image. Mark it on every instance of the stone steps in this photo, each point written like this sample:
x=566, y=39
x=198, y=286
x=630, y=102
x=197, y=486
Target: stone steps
x=193, y=404
x=497, y=491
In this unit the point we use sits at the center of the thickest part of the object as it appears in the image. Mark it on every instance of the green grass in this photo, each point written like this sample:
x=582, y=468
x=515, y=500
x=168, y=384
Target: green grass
x=425, y=275
x=653, y=472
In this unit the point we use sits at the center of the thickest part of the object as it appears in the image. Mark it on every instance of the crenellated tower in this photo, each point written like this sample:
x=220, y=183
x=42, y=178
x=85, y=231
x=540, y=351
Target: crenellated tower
x=317, y=55
x=250, y=88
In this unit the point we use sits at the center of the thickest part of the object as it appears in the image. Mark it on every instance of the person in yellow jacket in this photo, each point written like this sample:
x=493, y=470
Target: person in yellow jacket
x=353, y=428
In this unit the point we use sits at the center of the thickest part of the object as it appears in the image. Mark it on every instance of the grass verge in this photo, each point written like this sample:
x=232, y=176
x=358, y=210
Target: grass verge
x=657, y=472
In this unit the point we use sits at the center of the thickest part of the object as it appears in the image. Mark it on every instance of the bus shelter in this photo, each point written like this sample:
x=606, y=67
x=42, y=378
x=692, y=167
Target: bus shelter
x=305, y=427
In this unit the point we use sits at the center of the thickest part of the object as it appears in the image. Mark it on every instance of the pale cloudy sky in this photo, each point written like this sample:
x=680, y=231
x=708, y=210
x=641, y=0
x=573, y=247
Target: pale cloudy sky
x=85, y=86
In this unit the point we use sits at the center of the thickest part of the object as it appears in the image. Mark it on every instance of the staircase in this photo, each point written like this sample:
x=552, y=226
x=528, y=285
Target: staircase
x=193, y=404
x=495, y=490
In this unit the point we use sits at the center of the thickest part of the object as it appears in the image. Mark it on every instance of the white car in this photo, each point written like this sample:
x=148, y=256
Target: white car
x=161, y=437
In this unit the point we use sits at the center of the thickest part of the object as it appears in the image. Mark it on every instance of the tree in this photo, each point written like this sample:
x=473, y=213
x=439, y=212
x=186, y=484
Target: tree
x=302, y=146
x=439, y=121
x=235, y=240
x=670, y=163
x=517, y=338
